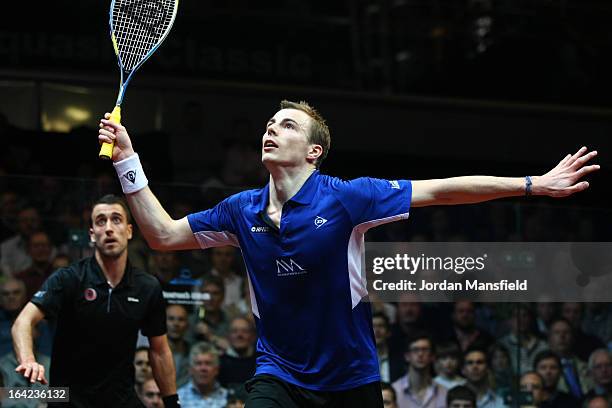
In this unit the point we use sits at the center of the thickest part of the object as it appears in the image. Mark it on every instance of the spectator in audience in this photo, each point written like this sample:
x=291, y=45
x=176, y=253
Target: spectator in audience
x=223, y=261
x=12, y=299
x=238, y=361
x=478, y=376
x=409, y=320
x=149, y=394
x=460, y=396
x=165, y=266
x=60, y=261
x=39, y=249
x=574, y=371
x=388, y=395
x=177, y=322
x=464, y=330
x=9, y=208
x=548, y=365
x=596, y=402
x=380, y=323
x=600, y=372
x=212, y=321
x=522, y=339
x=532, y=382
x=235, y=402
x=584, y=344
x=203, y=390
x=501, y=368
x=417, y=389
x=545, y=313
x=142, y=367
x=14, y=255
x=448, y=365
x=597, y=320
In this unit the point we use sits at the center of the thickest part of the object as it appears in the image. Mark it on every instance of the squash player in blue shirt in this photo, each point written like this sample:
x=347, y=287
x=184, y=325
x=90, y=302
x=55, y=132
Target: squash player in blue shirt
x=301, y=237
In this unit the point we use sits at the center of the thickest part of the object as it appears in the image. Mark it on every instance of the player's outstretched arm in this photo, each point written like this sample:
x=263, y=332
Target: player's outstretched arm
x=563, y=180
x=23, y=344
x=162, y=365
x=158, y=228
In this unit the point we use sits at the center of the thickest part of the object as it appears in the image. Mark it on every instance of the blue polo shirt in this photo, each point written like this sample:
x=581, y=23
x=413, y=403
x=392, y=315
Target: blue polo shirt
x=305, y=278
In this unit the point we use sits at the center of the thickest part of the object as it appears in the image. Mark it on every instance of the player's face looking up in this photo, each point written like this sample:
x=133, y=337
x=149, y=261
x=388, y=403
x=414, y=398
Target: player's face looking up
x=285, y=141
x=110, y=231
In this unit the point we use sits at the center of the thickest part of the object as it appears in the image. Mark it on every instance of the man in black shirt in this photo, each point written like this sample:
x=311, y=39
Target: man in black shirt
x=99, y=304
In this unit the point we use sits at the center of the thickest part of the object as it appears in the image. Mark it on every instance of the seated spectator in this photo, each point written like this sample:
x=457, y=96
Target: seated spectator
x=149, y=394
x=463, y=330
x=203, y=390
x=39, y=250
x=238, y=361
x=448, y=365
x=212, y=321
x=380, y=323
x=600, y=372
x=545, y=313
x=388, y=395
x=417, y=389
x=177, y=323
x=574, y=378
x=223, y=261
x=60, y=261
x=501, y=368
x=14, y=255
x=460, y=397
x=548, y=365
x=584, y=344
x=522, y=326
x=597, y=320
x=12, y=300
x=596, y=402
x=476, y=372
x=409, y=319
x=142, y=367
x=235, y=402
x=532, y=383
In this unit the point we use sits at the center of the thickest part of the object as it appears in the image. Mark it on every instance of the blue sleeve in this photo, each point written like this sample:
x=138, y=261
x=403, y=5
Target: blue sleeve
x=375, y=201
x=215, y=226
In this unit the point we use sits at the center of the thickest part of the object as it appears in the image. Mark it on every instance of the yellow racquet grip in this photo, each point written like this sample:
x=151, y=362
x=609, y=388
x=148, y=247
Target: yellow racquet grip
x=106, y=150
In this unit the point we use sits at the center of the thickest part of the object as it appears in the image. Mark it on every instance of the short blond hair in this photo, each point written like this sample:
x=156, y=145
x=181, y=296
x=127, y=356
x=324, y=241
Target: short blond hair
x=319, y=132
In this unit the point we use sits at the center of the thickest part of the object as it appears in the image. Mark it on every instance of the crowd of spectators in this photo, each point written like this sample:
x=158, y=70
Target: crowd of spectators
x=460, y=354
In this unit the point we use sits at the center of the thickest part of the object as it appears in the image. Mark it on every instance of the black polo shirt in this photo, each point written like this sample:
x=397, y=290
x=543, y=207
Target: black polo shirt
x=97, y=329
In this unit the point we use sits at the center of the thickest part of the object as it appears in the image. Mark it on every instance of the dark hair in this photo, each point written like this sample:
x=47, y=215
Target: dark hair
x=545, y=355
x=383, y=316
x=214, y=280
x=449, y=349
x=141, y=348
x=476, y=349
x=111, y=199
x=419, y=335
x=460, y=392
x=387, y=386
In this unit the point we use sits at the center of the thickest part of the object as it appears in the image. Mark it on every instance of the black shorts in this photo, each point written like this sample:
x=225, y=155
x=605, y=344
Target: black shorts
x=266, y=391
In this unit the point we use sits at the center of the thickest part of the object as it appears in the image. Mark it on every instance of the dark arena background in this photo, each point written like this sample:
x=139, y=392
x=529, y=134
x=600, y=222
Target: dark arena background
x=410, y=90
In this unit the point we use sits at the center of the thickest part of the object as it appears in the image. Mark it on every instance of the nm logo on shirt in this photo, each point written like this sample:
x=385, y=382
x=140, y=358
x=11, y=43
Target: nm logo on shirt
x=288, y=267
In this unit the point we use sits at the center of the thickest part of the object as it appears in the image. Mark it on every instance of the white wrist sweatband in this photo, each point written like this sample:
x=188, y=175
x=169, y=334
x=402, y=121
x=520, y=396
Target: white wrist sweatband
x=131, y=175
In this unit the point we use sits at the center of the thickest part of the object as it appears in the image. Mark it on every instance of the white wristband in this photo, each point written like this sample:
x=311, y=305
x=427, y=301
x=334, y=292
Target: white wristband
x=131, y=175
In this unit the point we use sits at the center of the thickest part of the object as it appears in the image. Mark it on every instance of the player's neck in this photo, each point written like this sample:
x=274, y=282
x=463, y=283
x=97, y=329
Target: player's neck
x=112, y=268
x=285, y=182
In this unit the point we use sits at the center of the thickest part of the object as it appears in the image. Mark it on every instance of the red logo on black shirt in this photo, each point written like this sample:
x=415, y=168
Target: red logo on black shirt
x=90, y=294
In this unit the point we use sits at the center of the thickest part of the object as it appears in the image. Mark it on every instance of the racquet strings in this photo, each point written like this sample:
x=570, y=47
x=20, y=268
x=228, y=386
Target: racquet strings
x=138, y=27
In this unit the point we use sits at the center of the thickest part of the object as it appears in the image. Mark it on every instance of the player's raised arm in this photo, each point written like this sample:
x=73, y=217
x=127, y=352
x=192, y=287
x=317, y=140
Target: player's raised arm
x=563, y=180
x=158, y=228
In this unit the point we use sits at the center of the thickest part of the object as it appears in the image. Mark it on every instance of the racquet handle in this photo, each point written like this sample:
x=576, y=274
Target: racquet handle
x=106, y=150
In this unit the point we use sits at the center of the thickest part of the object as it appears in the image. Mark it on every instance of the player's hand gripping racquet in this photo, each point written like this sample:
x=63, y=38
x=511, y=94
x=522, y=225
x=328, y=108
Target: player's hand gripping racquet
x=137, y=28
